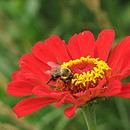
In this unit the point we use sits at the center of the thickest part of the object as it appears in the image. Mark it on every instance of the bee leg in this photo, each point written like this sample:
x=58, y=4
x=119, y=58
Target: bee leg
x=49, y=80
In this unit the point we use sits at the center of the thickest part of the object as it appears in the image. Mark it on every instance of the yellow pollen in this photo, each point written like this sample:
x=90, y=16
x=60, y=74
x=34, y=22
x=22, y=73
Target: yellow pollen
x=90, y=77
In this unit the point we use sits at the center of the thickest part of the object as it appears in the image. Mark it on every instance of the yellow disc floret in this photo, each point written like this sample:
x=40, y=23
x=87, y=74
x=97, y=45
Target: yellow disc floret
x=90, y=77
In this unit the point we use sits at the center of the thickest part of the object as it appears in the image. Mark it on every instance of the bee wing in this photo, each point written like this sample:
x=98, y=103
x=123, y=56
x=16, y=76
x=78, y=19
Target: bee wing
x=48, y=72
x=53, y=65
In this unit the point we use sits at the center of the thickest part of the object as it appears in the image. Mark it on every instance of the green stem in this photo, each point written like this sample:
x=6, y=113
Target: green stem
x=89, y=117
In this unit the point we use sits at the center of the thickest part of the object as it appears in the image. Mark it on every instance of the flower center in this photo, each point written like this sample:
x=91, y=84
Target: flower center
x=87, y=71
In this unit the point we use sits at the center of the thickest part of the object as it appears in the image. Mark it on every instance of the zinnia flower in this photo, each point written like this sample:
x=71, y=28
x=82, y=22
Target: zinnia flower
x=75, y=74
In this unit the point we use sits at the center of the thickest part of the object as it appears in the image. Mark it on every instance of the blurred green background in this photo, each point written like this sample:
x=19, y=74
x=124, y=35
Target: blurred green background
x=24, y=22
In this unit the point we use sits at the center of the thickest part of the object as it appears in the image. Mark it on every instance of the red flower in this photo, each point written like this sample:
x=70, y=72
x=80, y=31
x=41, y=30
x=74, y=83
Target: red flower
x=71, y=74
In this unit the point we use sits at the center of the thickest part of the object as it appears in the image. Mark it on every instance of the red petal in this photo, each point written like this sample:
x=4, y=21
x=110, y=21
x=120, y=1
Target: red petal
x=20, y=88
x=91, y=93
x=113, y=88
x=31, y=105
x=71, y=99
x=59, y=48
x=32, y=65
x=81, y=44
x=61, y=101
x=86, y=43
x=103, y=44
x=43, y=53
x=80, y=94
x=119, y=58
x=125, y=91
x=53, y=50
x=26, y=76
x=69, y=112
x=17, y=75
x=73, y=47
x=58, y=94
x=122, y=74
x=42, y=90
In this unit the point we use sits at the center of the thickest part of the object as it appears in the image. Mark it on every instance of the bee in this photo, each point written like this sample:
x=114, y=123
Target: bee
x=64, y=74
